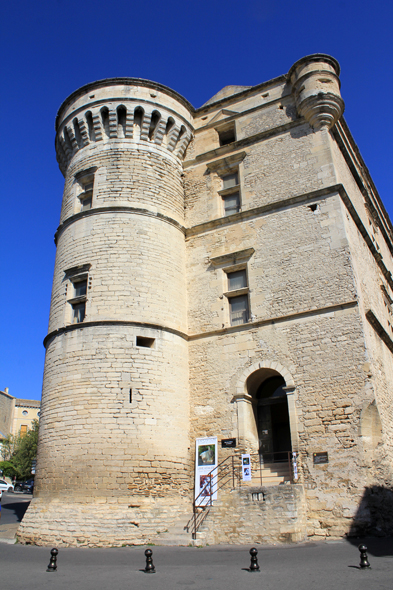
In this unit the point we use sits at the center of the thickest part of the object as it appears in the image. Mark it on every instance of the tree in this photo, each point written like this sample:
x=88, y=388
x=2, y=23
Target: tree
x=24, y=451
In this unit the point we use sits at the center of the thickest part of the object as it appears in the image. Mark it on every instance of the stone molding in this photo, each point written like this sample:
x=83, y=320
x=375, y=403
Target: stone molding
x=116, y=209
x=379, y=329
x=240, y=386
x=113, y=119
x=103, y=323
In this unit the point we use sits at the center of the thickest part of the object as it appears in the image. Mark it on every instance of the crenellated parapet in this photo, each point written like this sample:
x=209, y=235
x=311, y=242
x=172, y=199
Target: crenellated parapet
x=316, y=87
x=129, y=110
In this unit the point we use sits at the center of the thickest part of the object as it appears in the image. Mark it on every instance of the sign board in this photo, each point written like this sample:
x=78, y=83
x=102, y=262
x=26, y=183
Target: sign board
x=320, y=458
x=206, y=459
x=246, y=468
x=228, y=443
x=294, y=466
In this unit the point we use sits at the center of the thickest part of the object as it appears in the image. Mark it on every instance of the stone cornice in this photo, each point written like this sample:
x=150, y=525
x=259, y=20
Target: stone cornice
x=375, y=323
x=246, y=141
x=362, y=177
x=102, y=323
x=219, y=332
x=241, y=95
x=264, y=209
x=123, y=82
x=116, y=209
x=275, y=320
x=292, y=202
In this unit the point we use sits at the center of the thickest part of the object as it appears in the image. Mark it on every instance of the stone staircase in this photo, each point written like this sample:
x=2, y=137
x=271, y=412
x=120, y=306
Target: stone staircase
x=174, y=535
x=271, y=474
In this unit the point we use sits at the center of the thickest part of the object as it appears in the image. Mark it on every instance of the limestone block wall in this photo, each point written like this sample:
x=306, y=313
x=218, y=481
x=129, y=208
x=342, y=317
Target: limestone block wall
x=301, y=262
x=7, y=404
x=108, y=407
x=325, y=356
x=136, y=269
x=258, y=515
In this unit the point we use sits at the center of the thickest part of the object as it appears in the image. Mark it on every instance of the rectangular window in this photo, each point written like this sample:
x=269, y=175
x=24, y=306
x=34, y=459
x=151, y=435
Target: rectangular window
x=237, y=280
x=86, y=197
x=77, y=298
x=85, y=180
x=80, y=288
x=23, y=430
x=230, y=180
x=78, y=312
x=231, y=204
x=227, y=135
x=238, y=307
x=230, y=193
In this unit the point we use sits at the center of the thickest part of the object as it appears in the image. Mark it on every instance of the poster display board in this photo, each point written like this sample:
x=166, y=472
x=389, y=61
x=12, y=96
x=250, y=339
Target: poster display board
x=205, y=462
x=246, y=468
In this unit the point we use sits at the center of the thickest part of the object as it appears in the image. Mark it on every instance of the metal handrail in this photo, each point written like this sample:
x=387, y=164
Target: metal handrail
x=232, y=473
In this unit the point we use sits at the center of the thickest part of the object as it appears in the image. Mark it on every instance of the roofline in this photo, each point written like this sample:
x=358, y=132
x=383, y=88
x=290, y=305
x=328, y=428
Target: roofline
x=125, y=82
x=234, y=97
x=316, y=57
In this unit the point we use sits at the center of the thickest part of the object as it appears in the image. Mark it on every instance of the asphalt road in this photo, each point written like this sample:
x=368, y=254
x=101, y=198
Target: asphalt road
x=13, y=507
x=309, y=566
x=312, y=566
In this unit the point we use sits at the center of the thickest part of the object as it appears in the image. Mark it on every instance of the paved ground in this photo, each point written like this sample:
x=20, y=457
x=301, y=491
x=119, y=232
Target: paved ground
x=13, y=507
x=319, y=566
x=310, y=566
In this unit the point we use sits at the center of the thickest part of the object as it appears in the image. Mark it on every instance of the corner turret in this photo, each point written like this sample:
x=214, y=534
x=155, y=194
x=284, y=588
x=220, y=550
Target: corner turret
x=316, y=87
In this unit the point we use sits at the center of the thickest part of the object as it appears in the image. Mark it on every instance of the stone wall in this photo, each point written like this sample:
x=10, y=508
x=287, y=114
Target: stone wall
x=6, y=412
x=269, y=515
x=119, y=418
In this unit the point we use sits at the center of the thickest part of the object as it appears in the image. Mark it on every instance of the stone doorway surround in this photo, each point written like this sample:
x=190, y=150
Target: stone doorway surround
x=244, y=397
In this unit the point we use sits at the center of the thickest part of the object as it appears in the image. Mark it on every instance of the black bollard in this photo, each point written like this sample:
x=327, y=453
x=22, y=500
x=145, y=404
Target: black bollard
x=52, y=567
x=149, y=569
x=254, y=567
x=363, y=557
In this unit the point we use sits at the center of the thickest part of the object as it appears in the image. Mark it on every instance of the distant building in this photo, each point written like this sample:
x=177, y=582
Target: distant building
x=16, y=415
x=221, y=272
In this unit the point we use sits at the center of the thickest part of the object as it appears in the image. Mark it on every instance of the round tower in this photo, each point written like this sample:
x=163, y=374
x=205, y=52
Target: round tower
x=114, y=447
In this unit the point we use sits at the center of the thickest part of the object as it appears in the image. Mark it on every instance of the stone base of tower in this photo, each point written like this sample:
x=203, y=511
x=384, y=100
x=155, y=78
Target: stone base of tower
x=106, y=522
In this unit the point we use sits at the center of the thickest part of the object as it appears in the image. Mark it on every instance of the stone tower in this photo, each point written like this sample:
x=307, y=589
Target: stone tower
x=116, y=373
x=221, y=272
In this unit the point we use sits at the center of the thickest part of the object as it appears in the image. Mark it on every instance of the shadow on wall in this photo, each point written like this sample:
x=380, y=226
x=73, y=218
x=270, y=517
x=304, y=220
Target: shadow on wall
x=374, y=518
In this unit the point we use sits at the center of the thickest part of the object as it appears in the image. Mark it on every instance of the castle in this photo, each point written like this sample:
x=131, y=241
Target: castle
x=221, y=272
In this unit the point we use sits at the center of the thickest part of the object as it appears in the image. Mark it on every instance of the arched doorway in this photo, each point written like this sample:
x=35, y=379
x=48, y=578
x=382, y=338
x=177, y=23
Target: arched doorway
x=272, y=419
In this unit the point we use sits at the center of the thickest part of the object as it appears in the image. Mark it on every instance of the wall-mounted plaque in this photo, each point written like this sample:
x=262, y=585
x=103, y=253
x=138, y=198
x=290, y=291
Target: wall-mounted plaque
x=228, y=443
x=320, y=458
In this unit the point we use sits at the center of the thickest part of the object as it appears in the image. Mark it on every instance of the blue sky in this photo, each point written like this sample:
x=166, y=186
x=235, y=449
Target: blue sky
x=50, y=48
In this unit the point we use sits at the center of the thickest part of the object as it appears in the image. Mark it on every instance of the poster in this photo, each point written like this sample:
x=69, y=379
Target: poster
x=246, y=468
x=205, y=463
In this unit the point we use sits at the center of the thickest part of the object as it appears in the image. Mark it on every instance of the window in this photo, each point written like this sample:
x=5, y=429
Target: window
x=230, y=193
x=227, y=135
x=78, y=312
x=78, y=299
x=86, y=197
x=77, y=287
x=237, y=280
x=238, y=297
x=23, y=430
x=25, y=412
x=238, y=308
x=85, y=181
x=78, y=302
